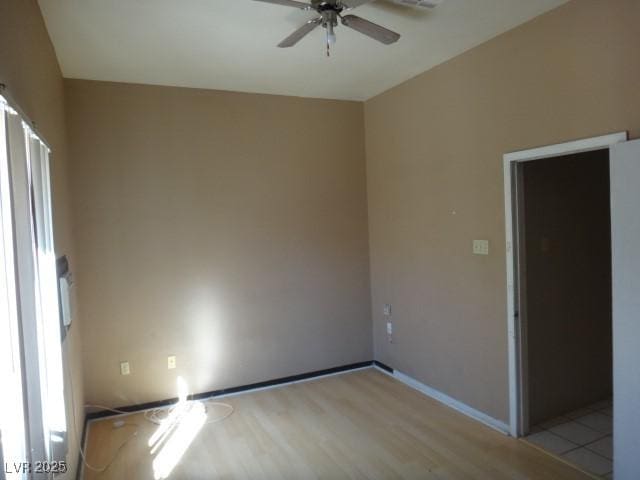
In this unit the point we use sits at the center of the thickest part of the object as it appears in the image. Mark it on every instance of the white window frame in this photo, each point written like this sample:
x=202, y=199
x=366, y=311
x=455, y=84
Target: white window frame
x=12, y=412
x=36, y=294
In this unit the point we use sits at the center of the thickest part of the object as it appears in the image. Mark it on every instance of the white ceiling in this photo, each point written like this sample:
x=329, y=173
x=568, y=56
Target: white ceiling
x=231, y=44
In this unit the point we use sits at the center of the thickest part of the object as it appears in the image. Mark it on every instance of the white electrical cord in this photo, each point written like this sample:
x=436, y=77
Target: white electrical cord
x=79, y=437
x=155, y=416
x=115, y=455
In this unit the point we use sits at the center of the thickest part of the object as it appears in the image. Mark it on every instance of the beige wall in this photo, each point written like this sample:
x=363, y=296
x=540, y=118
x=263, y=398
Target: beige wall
x=567, y=243
x=29, y=69
x=227, y=229
x=434, y=147
x=231, y=229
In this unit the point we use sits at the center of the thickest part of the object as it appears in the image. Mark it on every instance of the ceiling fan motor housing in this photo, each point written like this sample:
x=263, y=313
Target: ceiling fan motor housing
x=324, y=6
x=328, y=10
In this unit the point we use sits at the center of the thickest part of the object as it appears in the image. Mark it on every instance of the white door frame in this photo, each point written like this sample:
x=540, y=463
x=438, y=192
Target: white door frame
x=517, y=400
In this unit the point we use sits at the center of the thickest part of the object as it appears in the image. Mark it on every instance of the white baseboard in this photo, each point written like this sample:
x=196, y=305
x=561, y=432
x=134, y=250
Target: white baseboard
x=489, y=421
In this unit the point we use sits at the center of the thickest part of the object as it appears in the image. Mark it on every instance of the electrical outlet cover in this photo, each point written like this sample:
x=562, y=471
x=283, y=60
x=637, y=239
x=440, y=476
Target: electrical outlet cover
x=481, y=247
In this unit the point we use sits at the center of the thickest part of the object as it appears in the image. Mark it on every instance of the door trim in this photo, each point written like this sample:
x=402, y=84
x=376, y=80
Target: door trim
x=515, y=331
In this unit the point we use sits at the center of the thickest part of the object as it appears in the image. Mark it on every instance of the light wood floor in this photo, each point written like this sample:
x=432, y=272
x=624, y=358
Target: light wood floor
x=361, y=425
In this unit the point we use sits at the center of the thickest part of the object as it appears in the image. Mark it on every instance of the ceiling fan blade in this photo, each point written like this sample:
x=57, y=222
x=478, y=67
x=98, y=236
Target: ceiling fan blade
x=299, y=34
x=288, y=3
x=419, y=3
x=349, y=4
x=370, y=29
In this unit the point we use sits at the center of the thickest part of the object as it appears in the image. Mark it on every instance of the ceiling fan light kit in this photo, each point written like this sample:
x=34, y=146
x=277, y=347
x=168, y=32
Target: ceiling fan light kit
x=330, y=12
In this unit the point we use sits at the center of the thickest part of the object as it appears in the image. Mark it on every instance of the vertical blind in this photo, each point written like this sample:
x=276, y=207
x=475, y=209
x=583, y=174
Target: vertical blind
x=32, y=410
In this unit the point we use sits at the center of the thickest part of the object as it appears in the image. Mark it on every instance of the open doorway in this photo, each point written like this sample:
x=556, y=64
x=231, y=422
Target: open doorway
x=566, y=278
x=559, y=279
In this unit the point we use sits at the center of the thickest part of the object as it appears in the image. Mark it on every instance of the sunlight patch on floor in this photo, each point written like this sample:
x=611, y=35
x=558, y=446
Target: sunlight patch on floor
x=176, y=433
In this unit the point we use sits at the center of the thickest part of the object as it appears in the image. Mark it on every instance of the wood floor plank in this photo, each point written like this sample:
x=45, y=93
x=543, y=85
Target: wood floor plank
x=359, y=425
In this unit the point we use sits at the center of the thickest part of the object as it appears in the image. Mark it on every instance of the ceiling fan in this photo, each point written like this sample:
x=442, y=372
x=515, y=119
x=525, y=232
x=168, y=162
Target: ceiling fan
x=332, y=10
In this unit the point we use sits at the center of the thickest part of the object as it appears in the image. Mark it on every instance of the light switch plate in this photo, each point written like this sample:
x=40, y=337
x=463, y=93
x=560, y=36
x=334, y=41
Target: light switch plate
x=124, y=368
x=171, y=362
x=481, y=247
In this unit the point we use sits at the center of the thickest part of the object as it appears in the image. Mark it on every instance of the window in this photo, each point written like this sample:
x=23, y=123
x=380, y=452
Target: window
x=32, y=411
x=12, y=420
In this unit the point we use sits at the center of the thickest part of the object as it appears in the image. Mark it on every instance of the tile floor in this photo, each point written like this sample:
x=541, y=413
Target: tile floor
x=583, y=437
